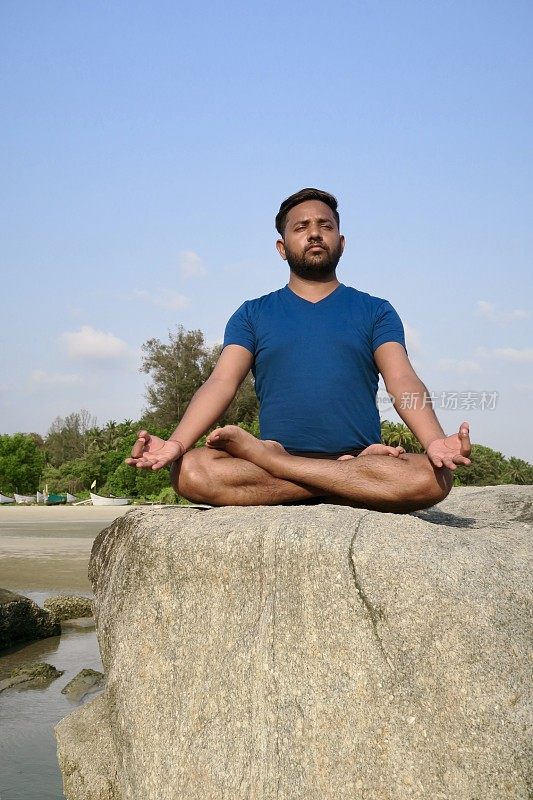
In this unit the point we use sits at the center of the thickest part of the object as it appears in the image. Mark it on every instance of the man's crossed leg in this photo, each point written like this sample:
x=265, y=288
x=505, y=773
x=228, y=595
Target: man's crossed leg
x=237, y=469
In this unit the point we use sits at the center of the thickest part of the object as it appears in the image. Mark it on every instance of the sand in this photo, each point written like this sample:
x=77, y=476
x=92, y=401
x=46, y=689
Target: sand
x=47, y=548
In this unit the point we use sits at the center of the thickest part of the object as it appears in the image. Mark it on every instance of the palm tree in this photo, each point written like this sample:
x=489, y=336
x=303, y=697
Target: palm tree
x=397, y=435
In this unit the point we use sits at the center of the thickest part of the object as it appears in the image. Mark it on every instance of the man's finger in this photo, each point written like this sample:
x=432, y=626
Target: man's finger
x=142, y=441
x=464, y=439
x=449, y=463
x=143, y=462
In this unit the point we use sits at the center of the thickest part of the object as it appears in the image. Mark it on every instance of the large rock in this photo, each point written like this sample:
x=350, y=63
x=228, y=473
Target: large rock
x=311, y=653
x=23, y=620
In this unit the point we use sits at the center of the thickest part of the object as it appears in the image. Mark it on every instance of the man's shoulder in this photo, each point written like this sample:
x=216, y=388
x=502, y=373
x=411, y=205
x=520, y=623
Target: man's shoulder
x=365, y=299
x=265, y=300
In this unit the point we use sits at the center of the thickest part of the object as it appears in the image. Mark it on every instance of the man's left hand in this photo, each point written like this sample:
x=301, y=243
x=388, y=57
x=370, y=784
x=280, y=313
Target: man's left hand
x=452, y=450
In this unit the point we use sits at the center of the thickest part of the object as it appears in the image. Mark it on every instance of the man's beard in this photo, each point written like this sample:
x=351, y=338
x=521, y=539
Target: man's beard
x=314, y=267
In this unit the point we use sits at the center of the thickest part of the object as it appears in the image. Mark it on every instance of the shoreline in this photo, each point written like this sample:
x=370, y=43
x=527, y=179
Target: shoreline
x=47, y=548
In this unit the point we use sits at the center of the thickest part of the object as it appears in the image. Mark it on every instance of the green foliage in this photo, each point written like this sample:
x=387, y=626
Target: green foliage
x=21, y=463
x=491, y=468
x=67, y=437
x=167, y=495
x=488, y=468
x=131, y=482
x=178, y=369
x=395, y=434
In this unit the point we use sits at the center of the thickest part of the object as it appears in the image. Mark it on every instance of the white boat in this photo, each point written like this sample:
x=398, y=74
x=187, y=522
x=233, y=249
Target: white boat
x=71, y=498
x=4, y=499
x=24, y=499
x=98, y=500
x=41, y=498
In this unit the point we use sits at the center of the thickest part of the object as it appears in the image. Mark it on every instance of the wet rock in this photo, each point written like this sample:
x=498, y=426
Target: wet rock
x=85, y=682
x=23, y=620
x=69, y=606
x=30, y=676
x=80, y=623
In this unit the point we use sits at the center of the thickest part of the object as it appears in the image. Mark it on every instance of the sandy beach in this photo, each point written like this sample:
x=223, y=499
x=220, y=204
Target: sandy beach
x=48, y=547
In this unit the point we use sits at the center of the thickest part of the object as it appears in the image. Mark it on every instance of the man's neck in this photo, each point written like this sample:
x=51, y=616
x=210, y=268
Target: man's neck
x=314, y=291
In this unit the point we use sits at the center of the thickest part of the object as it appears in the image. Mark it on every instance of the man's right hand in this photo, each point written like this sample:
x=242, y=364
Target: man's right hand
x=151, y=452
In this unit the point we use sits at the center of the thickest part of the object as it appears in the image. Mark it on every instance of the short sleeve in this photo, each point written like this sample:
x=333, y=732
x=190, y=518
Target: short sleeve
x=240, y=330
x=387, y=326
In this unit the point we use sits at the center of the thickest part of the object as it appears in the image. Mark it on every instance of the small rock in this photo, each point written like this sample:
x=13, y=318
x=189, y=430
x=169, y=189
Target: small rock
x=84, y=682
x=23, y=620
x=68, y=607
x=31, y=676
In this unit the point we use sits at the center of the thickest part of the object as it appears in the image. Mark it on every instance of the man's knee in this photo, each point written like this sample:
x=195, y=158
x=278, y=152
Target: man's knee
x=437, y=484
x=192, y=476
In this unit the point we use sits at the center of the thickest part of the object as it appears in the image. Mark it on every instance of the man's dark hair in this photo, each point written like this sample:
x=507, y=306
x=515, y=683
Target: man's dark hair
x=301, y=197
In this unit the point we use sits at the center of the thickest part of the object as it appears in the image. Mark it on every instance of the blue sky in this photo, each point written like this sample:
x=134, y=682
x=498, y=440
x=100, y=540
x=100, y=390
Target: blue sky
x=146, y=147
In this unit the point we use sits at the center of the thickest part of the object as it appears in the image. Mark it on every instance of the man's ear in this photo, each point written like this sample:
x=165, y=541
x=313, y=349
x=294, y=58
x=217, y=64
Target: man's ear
x=280, y=247
x=343, y=242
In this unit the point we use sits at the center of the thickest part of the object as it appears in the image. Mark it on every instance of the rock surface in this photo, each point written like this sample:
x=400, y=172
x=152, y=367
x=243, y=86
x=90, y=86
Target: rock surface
x=80, y=623
x=65, y=607
x=85, y=682
x=30, y=676
x=311, y=653
x=23, y=620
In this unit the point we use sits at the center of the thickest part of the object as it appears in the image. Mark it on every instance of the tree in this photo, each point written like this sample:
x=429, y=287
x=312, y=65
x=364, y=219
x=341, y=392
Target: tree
x=518, y=471
x=397, y=435
x=67, y=438
x=177, y=370
x=244, y=408
x=21, y=463
x=488, y=468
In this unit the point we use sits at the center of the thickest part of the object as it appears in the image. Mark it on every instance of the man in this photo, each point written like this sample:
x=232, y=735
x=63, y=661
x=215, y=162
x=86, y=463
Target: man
x=316, y=348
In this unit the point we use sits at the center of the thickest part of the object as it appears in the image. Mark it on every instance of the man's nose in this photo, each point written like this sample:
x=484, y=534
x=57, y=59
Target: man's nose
x=314, y=233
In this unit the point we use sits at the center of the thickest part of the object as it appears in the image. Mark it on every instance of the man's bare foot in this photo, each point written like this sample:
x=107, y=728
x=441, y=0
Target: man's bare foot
x=241, y=444
x=381, y=450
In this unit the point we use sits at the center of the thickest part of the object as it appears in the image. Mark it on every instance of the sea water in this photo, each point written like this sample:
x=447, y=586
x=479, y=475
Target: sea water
x=28, y=762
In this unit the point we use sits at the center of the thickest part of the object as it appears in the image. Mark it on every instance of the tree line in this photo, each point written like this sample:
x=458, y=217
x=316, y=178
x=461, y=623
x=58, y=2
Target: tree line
x=76, y=451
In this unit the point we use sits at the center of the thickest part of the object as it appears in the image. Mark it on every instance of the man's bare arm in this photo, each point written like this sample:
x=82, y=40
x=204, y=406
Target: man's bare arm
x=402, y=381
x=205, y=408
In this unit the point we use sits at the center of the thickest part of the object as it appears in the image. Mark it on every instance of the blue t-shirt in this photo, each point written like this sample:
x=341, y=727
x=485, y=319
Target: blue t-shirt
x=314, y=369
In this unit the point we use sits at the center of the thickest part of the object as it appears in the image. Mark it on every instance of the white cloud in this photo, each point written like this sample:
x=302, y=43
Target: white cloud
x=412, y=340
x=164, y=298
x=191, y=265
x=93, y=345
x=491, y=313
x=516, y=356
x=459, y=366
x=40, y=378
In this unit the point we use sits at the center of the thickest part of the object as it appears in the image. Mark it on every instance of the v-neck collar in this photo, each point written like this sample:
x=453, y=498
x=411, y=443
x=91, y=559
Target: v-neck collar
x=317, y=302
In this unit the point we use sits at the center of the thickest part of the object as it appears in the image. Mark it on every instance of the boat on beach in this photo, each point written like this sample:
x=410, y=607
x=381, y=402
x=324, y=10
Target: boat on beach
x=71, y=498
x=5, y=499
x=24, y=499
x=98, y=500
x=55, y=499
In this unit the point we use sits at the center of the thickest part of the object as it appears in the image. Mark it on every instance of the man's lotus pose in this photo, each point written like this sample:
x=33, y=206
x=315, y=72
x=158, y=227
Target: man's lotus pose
x=316, y=348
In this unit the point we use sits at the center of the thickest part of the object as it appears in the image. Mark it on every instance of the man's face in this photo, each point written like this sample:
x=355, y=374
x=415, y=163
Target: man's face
x=311, y=244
